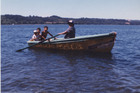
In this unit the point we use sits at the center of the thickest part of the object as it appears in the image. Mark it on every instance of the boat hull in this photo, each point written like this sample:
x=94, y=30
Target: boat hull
x=95, y=43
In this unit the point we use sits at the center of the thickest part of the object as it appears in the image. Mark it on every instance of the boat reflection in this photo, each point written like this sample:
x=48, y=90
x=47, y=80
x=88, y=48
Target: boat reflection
x=73, y=54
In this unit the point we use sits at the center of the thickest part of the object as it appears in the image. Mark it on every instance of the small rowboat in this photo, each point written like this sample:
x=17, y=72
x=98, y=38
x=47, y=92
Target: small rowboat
x=95, y=43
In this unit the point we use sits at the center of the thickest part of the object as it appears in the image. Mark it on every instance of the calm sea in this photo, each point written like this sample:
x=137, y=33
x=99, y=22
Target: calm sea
x=43, y=71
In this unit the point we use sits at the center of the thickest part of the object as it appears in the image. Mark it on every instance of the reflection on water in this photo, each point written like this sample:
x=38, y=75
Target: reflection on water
x=76, y=71
x=73, y=55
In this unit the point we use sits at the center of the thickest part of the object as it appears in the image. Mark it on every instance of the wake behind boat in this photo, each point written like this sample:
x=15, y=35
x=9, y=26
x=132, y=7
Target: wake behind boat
x=95, y=43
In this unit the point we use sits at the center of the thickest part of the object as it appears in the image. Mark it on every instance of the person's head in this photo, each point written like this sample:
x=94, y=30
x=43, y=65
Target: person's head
x=38, y=30
x=71, y=23
x=45, y=28
x=35, y=32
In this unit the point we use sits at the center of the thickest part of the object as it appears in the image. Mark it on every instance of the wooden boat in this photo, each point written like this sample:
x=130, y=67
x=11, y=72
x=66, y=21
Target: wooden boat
x=95, y=43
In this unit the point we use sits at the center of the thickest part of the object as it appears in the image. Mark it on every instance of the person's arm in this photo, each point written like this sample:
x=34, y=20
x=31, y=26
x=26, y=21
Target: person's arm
x=43, y=37
x=62, y=33
x=51, y=35
x=31, y=39
x=65, y=32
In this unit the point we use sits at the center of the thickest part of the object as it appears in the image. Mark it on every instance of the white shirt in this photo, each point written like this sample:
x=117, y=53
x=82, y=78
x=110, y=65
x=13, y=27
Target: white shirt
x=35, y=37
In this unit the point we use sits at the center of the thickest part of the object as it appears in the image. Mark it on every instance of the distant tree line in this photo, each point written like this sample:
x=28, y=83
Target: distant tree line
x=18, y=19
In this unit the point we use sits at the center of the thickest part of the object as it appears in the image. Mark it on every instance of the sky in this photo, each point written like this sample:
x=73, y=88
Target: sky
x=116, y=9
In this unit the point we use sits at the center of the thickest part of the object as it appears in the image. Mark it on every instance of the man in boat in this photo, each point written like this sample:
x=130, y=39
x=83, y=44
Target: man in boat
x=45, y=33
x=35, y=37
x=70, y=32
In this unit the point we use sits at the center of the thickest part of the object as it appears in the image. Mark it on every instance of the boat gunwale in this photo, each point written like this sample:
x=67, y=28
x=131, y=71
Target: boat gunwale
x=77, y=39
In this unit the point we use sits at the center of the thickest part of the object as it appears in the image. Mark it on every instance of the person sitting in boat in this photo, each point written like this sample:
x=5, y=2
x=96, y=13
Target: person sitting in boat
x=38, y=30
x=45, y=33
x=70, y=32
x=35, y=37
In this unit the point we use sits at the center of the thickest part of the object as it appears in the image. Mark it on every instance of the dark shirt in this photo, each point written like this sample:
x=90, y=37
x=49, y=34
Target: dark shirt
x=70, y=32
x=44, y=34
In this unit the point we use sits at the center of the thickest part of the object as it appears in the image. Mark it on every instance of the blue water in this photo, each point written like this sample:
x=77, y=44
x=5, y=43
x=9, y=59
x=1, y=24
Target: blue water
x=43, y=71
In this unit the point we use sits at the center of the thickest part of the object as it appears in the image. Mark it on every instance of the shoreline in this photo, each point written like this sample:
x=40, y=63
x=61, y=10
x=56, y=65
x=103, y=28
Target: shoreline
x=66, y=24
x=18, y=19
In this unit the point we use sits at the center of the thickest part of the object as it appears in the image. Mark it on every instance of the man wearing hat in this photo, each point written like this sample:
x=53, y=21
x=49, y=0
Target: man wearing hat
x=36, y=36
x=70, y=32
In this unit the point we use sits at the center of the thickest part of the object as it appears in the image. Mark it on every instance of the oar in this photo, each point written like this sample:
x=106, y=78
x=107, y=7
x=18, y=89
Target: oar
x=36, y=44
